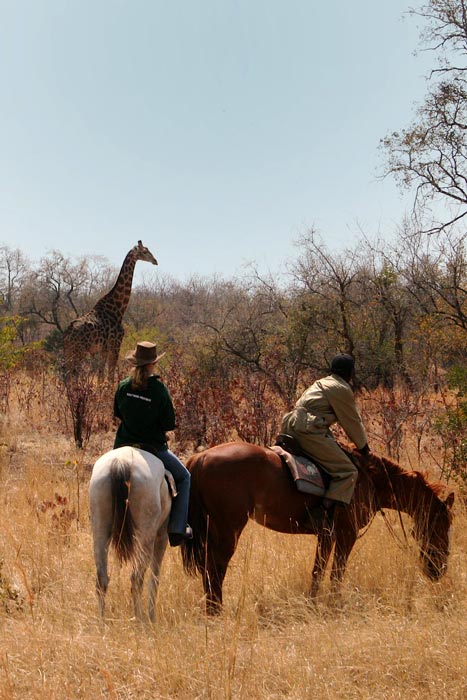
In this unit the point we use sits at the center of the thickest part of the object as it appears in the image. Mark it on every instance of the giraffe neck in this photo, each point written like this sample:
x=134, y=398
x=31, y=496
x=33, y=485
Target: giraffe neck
x=116, y=300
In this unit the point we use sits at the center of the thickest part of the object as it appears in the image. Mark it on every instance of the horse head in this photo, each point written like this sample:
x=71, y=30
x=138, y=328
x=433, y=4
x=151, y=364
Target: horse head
x=412, y=493
x=432, y=533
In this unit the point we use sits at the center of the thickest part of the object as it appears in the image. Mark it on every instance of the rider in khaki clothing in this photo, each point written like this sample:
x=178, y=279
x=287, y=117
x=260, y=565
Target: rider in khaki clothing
x=327, y=401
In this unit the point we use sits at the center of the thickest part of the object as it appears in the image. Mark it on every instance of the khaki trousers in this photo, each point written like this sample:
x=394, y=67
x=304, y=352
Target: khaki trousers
x=321, y=445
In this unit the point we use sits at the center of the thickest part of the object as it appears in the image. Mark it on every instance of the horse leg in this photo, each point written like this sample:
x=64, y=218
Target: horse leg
x=218, y=556
x=323, y=552
x=137, y=580
x=213, y=578
x=344, y=545
x=101, y=541
x=160, y=545
x=102, y=580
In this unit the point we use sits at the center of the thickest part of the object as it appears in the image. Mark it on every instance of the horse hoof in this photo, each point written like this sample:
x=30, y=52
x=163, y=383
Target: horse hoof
x=213, y=609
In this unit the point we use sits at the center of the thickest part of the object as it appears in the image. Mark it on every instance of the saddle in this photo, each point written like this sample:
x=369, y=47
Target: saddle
x=309, y=477
x=167, y=475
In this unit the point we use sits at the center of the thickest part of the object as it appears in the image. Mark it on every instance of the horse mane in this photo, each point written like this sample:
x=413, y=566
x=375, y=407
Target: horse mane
x=394, y=470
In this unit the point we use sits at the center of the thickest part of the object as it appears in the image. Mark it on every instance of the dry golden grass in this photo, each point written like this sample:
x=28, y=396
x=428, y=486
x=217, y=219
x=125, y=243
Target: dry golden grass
x=391, y=634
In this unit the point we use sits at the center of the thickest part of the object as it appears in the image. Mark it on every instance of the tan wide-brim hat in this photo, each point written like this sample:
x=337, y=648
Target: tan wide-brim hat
x=145, y=353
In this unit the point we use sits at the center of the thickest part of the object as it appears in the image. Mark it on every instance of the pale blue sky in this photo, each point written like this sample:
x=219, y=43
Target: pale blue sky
x=216, y=131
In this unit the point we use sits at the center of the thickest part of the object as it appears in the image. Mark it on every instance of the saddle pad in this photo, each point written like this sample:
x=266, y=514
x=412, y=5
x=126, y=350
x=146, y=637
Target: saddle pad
x=304, y=472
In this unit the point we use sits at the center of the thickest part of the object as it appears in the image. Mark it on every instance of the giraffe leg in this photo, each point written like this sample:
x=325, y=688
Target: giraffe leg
x=113, y=353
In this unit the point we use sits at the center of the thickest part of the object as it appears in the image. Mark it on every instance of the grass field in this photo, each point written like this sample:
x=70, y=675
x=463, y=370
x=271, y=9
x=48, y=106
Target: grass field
x=390, y=634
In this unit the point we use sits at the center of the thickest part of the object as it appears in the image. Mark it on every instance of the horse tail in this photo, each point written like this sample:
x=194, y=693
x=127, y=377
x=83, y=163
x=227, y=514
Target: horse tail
x=194, y=550
x=123, y=536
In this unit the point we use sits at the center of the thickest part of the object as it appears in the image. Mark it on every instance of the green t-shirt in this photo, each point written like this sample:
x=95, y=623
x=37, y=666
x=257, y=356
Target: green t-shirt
x=146, y=414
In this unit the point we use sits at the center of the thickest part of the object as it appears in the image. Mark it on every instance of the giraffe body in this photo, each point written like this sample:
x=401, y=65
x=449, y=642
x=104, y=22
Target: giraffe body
x=100, y=331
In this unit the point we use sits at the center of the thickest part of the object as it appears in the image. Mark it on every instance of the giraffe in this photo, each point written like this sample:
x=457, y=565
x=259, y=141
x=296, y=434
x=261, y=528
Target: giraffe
x=100, y=330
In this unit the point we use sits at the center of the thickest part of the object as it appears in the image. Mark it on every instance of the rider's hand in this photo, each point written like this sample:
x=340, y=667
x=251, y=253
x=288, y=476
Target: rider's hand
x=365, y=455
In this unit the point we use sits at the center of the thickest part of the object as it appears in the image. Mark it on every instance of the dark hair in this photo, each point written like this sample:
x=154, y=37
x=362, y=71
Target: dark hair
x=343, y=365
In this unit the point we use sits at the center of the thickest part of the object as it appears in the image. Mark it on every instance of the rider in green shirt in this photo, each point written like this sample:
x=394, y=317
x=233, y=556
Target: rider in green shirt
x=144, y=406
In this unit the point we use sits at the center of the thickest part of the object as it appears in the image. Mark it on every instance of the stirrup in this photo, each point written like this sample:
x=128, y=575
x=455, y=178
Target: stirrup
x=176, y=538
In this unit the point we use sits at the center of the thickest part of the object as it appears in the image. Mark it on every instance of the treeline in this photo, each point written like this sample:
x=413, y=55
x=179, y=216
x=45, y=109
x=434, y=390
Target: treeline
x=400, y=309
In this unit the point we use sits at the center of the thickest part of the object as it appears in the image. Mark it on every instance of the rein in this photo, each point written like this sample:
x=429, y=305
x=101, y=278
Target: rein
x=391, y=531
x=405, y=542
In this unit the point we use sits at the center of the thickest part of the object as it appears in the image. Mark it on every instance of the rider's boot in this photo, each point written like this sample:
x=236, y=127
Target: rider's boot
x=176, y=538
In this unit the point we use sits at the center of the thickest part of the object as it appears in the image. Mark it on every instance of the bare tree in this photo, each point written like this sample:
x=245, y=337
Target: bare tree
x=329, y=287
x=389, y=313
x=435, y=270
x=14, y=270
x=431, y=153
x=58, y=289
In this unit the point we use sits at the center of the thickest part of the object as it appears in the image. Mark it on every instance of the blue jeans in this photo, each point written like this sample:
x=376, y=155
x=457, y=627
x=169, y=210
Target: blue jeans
x=179, y=512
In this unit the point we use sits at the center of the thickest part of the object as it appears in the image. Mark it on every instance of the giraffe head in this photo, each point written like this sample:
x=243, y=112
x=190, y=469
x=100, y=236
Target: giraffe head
x=142, y=253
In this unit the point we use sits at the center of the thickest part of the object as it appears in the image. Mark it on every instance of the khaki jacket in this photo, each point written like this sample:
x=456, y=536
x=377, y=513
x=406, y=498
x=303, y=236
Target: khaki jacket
x=327, y=401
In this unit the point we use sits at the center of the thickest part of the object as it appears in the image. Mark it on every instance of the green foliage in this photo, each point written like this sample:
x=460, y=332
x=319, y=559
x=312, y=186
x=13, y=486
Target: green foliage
x=457, y=379
x=387, y=278
x=10, y=354
x=452, y=425
x=133, y=336
x=53, y=343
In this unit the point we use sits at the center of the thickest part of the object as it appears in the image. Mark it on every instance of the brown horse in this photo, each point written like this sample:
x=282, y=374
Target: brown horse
x=233, y=482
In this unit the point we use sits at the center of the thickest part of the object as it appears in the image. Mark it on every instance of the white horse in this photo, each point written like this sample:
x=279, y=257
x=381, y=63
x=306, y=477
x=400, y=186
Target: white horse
x=129, y=505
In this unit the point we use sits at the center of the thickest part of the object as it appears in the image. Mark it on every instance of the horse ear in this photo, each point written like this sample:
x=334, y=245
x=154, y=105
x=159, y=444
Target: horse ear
x=450, y=500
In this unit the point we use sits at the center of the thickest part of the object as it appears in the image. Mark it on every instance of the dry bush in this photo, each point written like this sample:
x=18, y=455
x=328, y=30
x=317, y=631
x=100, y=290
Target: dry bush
x=390, y=633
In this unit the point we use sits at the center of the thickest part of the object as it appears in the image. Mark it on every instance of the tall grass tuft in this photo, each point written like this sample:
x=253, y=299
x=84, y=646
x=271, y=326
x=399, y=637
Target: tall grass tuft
x=390, y=634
